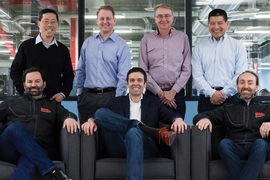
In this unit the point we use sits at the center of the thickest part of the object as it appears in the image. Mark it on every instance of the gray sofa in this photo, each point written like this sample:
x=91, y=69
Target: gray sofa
x=70, y=161
x=177, y=167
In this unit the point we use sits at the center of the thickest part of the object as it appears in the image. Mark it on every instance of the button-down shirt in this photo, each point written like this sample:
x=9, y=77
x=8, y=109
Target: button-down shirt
x=167, y=61
x=103, y=64
x=135, y=109
x=218, y=64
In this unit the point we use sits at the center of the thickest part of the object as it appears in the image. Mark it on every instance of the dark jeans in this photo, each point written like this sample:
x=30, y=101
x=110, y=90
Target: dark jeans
x=204, y=103
x=233, y=154
x=17, y=146
x=89, y=102
x=123, y=139
x=179, y=100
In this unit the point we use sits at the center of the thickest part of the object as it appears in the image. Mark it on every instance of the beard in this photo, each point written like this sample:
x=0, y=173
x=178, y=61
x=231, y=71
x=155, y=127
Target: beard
x=35, y=91
x=246, y=93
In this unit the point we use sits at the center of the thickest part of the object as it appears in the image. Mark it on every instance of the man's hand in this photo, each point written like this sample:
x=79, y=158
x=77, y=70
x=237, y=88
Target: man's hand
x=264, y=129
x=71, y=124
x=57, y=97
x=89, y=127
x=179, y=126
x=204, y=124
x=218, y=98
x=167, y=98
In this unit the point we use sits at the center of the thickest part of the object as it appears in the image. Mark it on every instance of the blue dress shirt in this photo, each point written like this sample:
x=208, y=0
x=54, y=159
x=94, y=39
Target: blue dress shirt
x=103, y=64
x=218, y=64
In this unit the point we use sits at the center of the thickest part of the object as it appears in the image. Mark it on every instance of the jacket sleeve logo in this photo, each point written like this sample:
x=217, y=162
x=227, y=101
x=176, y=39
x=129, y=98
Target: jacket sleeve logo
x=46, y=110
x=259, y=114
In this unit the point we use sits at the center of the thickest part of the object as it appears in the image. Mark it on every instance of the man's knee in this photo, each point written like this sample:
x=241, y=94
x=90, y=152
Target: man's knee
x=134, y=133
x=101, y=112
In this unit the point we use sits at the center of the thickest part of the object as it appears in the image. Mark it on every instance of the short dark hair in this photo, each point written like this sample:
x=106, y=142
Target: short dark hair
x=33, y=69
x=106, y=7
x=137, y=69
x=163, y=5
x=218, y=12
x=251, y=72
x=45, y=11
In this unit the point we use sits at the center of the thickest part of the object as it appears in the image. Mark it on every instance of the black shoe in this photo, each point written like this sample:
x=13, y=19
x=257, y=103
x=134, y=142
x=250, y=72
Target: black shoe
x=58, y=174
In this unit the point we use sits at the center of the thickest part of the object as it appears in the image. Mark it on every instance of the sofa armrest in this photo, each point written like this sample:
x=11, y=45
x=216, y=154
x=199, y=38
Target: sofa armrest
x=70, y=153
x=88, y=156
x=201, y=153
x=180, y=152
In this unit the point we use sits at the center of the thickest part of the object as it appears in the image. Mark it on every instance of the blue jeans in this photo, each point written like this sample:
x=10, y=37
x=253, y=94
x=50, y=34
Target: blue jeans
x=123, y=139
x=179, y=100
x=17, y=146
x=233, y=154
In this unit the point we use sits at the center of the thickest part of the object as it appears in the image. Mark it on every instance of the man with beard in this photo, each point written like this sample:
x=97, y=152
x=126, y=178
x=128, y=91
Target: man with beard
x=247, y=126
x=31, y=125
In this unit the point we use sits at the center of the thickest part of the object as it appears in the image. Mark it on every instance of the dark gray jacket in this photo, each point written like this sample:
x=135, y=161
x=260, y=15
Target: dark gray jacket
x=241, y=121
x=42, y=118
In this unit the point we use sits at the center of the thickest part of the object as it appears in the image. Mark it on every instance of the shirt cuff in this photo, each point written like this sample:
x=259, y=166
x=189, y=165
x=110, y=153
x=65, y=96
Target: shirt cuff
x=63, y=95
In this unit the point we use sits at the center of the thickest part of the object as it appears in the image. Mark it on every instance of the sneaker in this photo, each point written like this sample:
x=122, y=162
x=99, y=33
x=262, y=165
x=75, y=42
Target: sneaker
x=58, y=174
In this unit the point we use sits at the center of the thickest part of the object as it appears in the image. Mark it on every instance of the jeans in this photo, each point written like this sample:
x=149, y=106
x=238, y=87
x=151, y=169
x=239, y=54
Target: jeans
x=17, y=146
x=123, y=139
x=233, y=154
x=179, y=100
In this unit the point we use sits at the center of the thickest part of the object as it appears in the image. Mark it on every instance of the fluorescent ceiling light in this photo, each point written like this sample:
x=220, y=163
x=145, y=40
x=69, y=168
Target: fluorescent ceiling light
x=252, y=32
x=117, y=31
x=261, y=16
x=95, y=17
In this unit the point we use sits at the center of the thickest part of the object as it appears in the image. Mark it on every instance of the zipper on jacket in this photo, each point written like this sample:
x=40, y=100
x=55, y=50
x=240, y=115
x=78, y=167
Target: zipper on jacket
x=246, y=110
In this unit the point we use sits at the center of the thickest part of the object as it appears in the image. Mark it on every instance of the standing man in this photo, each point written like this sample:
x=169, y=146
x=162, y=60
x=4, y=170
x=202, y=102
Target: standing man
x=129, y=125
x=216, y=63
x=48, y=54
x=32, y=122
x=165, y=56
x=247, y=125
x=103, y=64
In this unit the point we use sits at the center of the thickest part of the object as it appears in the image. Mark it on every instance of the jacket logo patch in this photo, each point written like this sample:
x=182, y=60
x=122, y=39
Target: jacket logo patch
x=46, y=110
x=259, y=114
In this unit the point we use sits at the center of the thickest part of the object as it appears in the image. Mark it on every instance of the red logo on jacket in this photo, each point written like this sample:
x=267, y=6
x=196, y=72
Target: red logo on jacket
x=259, y=114
x=46, y=110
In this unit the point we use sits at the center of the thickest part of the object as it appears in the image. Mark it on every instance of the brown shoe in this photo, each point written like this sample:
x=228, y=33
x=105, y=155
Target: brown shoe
x=166, y=136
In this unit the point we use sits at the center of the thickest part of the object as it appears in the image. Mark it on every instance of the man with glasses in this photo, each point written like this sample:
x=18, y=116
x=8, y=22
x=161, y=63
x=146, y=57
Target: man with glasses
x=48, y=54
x=165, y=56
x=216, y=63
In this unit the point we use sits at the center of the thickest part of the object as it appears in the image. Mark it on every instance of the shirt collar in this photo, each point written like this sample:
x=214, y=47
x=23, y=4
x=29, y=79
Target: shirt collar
x=39, y=39
x=133, y=101
x=222, y=39
x=158, y=34
x=112, y=36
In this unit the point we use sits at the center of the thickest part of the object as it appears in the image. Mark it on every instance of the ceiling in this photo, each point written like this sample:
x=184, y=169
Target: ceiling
x=249, y=22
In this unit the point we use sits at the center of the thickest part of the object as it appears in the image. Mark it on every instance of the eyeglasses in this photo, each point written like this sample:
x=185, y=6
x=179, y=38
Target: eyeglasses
x=166, y=16
x=46, y=22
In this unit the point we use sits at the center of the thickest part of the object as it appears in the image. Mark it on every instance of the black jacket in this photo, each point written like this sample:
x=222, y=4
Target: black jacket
x=241, y=121
x=42, y=118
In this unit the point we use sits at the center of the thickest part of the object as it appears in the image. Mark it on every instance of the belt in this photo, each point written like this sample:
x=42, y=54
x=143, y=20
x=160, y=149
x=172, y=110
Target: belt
x=100, y=90
x=217, y=88
x=166, y=89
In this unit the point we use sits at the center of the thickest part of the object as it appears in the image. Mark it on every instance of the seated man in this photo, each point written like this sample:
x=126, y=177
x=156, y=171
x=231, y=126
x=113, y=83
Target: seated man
x=29, y=139
x=128, y=126
x=247, y=125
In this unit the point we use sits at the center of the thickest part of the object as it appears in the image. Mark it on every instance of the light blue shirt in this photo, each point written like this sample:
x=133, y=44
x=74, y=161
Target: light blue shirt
x=103, y=64
x=218, y=64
